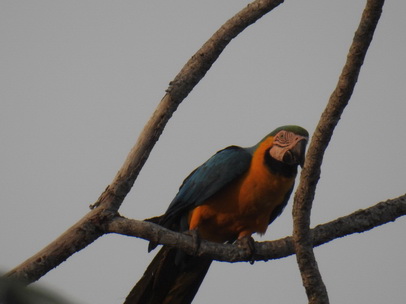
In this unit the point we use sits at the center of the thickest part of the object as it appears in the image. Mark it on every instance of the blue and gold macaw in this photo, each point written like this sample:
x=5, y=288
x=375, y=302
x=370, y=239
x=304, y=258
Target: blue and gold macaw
x=237, y=192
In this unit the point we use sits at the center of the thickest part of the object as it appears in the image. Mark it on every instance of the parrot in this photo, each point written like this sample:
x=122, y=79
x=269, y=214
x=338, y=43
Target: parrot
x=234, y=194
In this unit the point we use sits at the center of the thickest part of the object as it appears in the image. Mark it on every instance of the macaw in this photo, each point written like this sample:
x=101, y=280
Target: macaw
x=237, y=192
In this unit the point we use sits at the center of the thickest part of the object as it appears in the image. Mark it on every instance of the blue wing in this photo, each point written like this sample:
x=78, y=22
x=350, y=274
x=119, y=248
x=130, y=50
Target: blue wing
x=216, y=173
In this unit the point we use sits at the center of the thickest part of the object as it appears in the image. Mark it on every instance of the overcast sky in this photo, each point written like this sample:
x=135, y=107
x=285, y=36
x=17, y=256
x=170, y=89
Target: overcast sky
x=79, y=79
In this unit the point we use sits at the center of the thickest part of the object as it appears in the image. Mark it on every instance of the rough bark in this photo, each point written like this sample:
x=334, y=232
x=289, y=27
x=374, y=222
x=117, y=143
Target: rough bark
x=311, y=277
x=356, y=222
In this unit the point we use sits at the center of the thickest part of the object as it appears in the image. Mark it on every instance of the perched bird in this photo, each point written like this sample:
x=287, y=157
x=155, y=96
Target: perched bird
x=237, y=192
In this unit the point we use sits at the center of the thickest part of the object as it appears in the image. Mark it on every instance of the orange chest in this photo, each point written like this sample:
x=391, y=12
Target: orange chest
x=261, y=192
x=243, y=207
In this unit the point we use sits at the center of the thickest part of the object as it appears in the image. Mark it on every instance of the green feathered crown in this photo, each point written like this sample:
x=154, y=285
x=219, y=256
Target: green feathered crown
x=290, y=128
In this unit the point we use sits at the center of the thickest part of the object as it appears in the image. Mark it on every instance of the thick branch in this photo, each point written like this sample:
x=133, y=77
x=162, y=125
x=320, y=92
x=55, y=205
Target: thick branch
x=357, y=222
x=311, y=277
x=85, y=231
x=73, y=240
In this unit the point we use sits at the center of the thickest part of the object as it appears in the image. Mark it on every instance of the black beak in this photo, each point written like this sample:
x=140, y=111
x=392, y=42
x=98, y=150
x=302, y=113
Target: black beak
x=296, y=155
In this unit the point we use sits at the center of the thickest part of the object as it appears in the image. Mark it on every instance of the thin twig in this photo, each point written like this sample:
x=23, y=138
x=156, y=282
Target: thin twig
x=311, y=277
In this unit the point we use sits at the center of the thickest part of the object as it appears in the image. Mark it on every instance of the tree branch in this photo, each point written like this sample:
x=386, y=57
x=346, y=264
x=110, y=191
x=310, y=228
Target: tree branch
x=311, y=277
x=357, y=222
x=77, y=237
x=190, y=75
x=87, y=230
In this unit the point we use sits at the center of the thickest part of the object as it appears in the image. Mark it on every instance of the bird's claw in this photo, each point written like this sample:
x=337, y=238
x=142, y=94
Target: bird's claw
x=248, y=243
x=196, y=240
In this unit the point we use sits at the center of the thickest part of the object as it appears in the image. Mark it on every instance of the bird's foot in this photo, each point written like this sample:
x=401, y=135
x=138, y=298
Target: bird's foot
x=196, y=240
x=247, y=243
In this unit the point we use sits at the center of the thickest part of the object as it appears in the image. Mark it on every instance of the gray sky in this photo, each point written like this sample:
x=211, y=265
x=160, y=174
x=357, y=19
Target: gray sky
x=80, y=78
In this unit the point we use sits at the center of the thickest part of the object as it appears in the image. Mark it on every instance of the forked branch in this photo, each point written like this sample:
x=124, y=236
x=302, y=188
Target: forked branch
x=88, y=229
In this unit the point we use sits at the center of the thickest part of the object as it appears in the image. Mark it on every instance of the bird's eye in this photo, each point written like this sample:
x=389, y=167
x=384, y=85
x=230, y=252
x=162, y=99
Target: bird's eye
x=281, y=136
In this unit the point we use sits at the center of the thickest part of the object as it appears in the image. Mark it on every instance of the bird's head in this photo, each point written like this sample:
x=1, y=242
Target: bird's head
x=289, y=145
